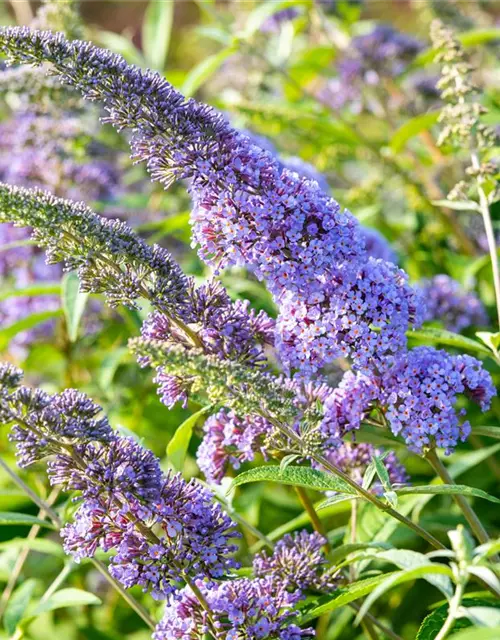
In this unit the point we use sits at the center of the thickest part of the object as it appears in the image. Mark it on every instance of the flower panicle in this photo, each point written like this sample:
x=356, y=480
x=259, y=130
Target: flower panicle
x=248, y=208
x=161, y=527
x=109, y=257
x=462, y=113
x=246, y=389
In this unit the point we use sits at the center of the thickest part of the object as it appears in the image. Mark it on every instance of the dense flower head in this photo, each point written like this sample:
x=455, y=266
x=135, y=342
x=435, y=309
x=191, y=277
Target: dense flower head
x=420, y=393
x=159, y=525
x=230, y=441
x=109, y=257
x=121, y=467
x=448, y=303
x=44, y=422
x=364, y=316
x=192, y=534
x=247, y=208
x=242, y=609
x=353, y=458
x=383, y=51
x=229, y=329
x=377, y=246
x=297, y=562
x=346, y=405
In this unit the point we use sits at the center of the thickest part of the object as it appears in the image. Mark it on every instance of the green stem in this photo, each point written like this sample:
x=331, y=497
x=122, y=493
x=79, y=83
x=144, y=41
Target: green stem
x=353, y=524
x=369, y=630
x=452, y=611
x=469, y=513
x=58, y=581
x=21, y=559
x=370, y=497
x=56, y=520
x=490, y=235
x=311, y=512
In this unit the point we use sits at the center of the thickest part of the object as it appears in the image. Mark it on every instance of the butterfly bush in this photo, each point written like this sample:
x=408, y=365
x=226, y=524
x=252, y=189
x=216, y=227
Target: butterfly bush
x=298, y=562
x=333, y=300
x=383, y=53
x=242, y=608
x=448, y=303
x=160, y=526
x=339, y=294
x=247, y=210
x=421, y=392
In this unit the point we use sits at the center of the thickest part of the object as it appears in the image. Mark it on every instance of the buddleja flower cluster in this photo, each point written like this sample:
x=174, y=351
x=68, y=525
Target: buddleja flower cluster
x=262, y=607
x=109, y=257
x=449, y=304
x=160, y=527
x=383, y=53
x=248, y=210
x=163, y=531
x=333, y=299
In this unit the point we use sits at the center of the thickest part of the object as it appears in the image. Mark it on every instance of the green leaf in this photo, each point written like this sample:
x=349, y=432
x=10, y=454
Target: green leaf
x=486, y=575
x=40, y=289
x=411, y=128
x=462, y=462
x=204, y=70
x=156, y=32
x=332, y=500
x=400, y=577
x=295, y=476
x=109, y=366
x=178, y=445
x=342, y=596
x=9, y=333
x=457, y=205
x=288, y=460
x=344, y=550
x=441, y=336
x=490, y=432
x=382, y=473
x=406, y=559
x=66, y=598
x=12, y=517
x=432, y=624
x=17, y=606
x=73, y=303
x=491, y=340
x=42, y=545
x=478, y=36
x=478, y=634
x=482, y=616
x=447, y=489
